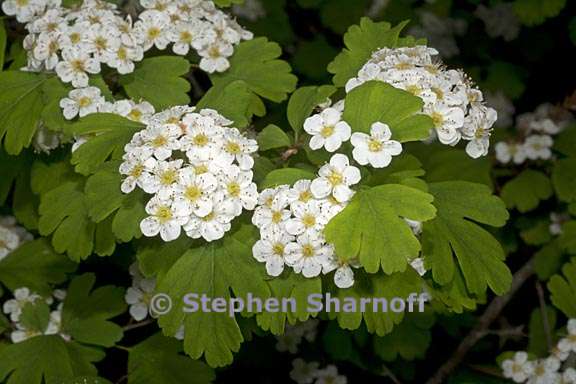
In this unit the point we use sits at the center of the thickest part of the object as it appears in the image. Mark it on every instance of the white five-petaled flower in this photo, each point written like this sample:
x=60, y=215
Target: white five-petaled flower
x=216, y=223
x=239, y=188
x=22, y=296
x=568, y=343
x=272, y=212
x=309, y=217
x=271, y=249
x=215, y=57
x=375, y=149
x=510, y=151
x=138, y=296
x=307, y=255
x=344, y=275
x=75, y=66
x=329, y=375
x=328, y=130
x=335, y=178
x=538, y=147
x=518, y=368
x=193, y=191
x=81, y=102
x=163, y=220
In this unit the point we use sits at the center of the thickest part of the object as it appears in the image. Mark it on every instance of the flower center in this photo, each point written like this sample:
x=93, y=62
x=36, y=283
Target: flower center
x=74, y=37
x=439, y=93
x=153, y=33
x=335, y=178
x=200, y=169
x=375, y=145
x=22, y=3
x=214, y=52
x=305, y=196
x=135, y=114
x=169, y=177
x=84, y=101
x=413, y=89
x=327, y=131
x=122, y=54
x=278, y=249
x=193, y=193
x=101, y=43
x=185, y=37
x=308, y=220
x=233, y=189
x=137, y=170
x=200, y=140
x=164, y=214
x=276, y=217
x=307, y=250
x=209, y=217
x=437, y=119
x=159, y=141
x=233, y=147
x=77, y=65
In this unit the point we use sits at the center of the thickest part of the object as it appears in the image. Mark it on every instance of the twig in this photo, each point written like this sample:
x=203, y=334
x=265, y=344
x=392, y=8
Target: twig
x=544, y=314
x=137, y=325
x=490, y=314
x=387, y=372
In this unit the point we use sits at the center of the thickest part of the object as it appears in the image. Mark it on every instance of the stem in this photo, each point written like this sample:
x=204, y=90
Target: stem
x=543, y=312
x=490, y=314
x=137, y=325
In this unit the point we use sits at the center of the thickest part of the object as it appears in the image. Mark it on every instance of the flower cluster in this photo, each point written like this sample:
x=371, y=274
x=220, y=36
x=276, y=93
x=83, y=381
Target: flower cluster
x=310, y=373
x=292, y=220
x=536, y=131
x=22, y=298
x=548, y=370
x=198, y=169
x=293, y=335
x=76, y=42
x=11, y=235
x=329, y=131
x=450, y=98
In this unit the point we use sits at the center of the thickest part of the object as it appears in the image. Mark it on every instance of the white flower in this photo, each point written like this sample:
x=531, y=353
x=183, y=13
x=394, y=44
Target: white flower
x=568, y=344
x=215, y=224
x=102, y=41
x=122, y=58
x=162, y=139
x=510, y=151
x=46, y=50
x=163, y=220
x=21, y=334
x=545, y=371
x=518, y=368
x=556, y=222
x=308, y=218
x=22, y=296
x=134, y=168
x=538, y=147
x=300, y=192
x=138, y=296
x=139, y=112
x=215, y=57
x=302, y=372
x=329, y=375
x=162, y=178
x=75, y=66
x=271, y=249
x=272, y=213
x=186, y=35
x=194, y=192
x=9, y=241
x=344, y=275
x=307, y=255
x=335, y=179
x=152, y=30
x=24, y=10
x=418, y=265
x=375, y=149
x=239, y=148
x=569, y=376
x=327, y=130
x=447, y=121
x=239, y=188
x=81, y=102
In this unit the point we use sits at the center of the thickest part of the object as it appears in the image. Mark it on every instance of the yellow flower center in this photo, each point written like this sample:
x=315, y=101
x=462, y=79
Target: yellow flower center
x=413, y=89
x=233, y=189
x=122, y=54
x=233, y=147
x=335, y=178
x=169, y=177
x=101, y=43
x=375, y=145
x=327, y=131
x=305, y=196
x=307, y=250
x=193, y=193
x=164, y=214
x=308, y=220
x=22, y=3
x=439, y=93
x=135, y=114
x=278, y=249
x=159, y=141
x=403, y=65
x=437, y=119
x=214, y=52
x=209, y=217
x=51, y=27
x=74, y=37
x=276, y=217
x=200, y=169
x=200, y=140
x=137, y=170
x=185, y=37
x=84, y=101
x=153, y=33
x=77, y=65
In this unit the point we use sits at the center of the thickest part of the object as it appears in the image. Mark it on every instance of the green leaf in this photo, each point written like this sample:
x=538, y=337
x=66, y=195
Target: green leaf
x=507, y=78
x=256, y=62
x=371, y=286
x=3, y=40
x=537, y=331
x=339, y=14
x=111, y=133
x=538, y=234
x=271, y=137
x=454, y=233
x=565, y=142
x=104, y=199
x=220, y=267
x=548, y=260
x=157, y=360
x=20, y=108
x=46, y=360
x=409, y=340
x=234, y=101
x=86, y=312
x=454, y=164
x=289, y=285
x=227, y=3
x=526, y=190
x=286, y=176
x=377, y=101
x=303, y=101
x=361, y=41
x=564, y=179
x=35, y=316
x=404, y=168
x=87, y=380
x=312, y=57
x=534, y=12
x=567, y=240
x=563, y=289
x=35, y=265
x=371, y=228
x=159, y=81
x=156, y=258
